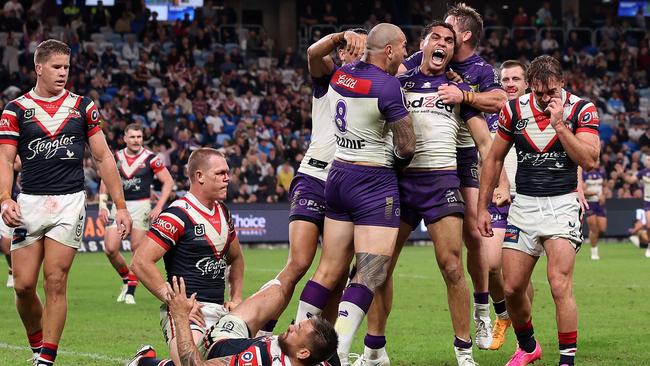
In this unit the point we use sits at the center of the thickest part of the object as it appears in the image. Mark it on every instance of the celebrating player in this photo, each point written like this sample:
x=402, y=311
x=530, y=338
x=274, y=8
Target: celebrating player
x=553, y=132
x=361, y=192
x=197, y=239
x=48, y=128
x=306, y=343
x=137, y=167
x=594, y=188
x=429, y=190
x=487, y=97
x=308, y=186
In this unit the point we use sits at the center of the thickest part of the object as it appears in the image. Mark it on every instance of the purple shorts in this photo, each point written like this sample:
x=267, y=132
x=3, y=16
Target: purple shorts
x=499, y=215
x=307, y=197
x=429, y=196
x=646, y=205
x=363, y=195
x=467, y=165
x=597, y=209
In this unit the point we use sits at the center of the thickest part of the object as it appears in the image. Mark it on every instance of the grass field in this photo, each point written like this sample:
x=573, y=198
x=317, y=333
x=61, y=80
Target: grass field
x=613, y=296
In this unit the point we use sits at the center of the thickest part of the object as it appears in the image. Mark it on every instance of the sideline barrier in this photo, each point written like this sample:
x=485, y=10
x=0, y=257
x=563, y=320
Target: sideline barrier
x=269, y=223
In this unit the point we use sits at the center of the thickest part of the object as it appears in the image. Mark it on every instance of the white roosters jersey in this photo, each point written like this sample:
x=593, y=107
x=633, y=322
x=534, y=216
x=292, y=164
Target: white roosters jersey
x=363, y=100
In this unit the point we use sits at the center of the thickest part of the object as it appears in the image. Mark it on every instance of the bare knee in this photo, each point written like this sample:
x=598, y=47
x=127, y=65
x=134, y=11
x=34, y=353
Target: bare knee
x=561, y=285
x=511, y=290
x=452, y=271
x=296, y=268
x=56, y=283
x=24, y=290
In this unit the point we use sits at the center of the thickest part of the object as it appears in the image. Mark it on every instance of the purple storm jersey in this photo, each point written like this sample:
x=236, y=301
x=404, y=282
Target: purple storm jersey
x=51, y=136
x=594, y=181
x=196, y=241
x=543, y=166
x=477, y=73
x=363, y=100
x=137, y=173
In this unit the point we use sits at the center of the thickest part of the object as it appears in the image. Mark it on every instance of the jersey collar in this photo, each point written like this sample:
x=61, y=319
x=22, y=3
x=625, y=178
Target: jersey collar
x=195, y=201
x=33, y=95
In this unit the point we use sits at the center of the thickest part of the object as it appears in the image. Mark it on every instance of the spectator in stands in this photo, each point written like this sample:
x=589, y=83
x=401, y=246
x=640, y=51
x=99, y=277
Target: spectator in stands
x=13, y=9
x=615, y=104
x=544, y=15
x=549, y=43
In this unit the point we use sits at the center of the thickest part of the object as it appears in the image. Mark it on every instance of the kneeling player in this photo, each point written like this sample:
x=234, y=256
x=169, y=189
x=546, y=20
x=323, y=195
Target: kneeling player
x=196, y=236
x=309, y=342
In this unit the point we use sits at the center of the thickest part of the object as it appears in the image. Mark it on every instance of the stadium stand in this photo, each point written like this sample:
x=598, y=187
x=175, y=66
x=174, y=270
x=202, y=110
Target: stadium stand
x=214, y=82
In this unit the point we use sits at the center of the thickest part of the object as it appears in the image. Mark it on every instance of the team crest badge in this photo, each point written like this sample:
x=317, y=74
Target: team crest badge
x=29, y=113
x=74, y=113
x=409, y=85
x=199, y=230
x=521, y=124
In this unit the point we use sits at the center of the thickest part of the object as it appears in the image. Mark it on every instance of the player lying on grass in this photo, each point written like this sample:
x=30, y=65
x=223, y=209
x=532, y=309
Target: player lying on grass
x=308, y=342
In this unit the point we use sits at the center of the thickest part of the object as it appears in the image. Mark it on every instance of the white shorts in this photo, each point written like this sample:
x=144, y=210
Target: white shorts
x=6, y=231
x=229, y=327
x=139, y=211
x=212, y=313
x=532, y=220
x=58, y=217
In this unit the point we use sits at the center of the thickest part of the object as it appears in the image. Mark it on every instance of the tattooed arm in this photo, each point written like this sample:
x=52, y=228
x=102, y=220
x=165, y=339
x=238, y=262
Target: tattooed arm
x=403, y=140
x=372, y=270
x=180, y=307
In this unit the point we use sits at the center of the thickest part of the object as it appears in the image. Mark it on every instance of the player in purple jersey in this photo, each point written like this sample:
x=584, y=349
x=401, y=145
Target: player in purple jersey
x=488, y=97
x=307, y=193
x=137, y=166
x=228, y=343
x=643, y=179
x=361, y=192
x=430, y=190
x=595, y=188
x=196, y=238
x=553, y=132
x=49, y=128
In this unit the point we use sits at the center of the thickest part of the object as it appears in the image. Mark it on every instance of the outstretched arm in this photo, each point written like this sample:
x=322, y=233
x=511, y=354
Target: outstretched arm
x=319, y=60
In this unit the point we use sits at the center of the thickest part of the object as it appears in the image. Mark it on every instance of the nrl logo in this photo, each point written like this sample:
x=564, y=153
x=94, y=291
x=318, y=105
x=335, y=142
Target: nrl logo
x=409, y=85
x=199, y=230
x=29, y=113
x=521, y=124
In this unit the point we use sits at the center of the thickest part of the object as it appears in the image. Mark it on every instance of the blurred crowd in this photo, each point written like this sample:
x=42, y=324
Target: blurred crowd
x=197, y=82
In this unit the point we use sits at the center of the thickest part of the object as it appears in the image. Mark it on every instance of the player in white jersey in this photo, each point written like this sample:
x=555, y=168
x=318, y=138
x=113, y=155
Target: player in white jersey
x=373, y=133
x=49, y=128
x=429, y=190
x=137, y=166
x=307, y=193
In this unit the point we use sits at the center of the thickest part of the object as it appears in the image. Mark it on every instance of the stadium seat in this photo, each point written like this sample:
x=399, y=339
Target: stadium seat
x=97, y=38
x=606, y=132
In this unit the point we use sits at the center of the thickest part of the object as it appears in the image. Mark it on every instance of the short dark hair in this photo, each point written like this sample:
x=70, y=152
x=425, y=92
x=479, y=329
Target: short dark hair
x=343, y=43
x=508, y=64
x=48, y=48
x=323, y=341
x=468, y=19
x=438, y=23
x=132, y=126
x=543, y=69
x=199, y=158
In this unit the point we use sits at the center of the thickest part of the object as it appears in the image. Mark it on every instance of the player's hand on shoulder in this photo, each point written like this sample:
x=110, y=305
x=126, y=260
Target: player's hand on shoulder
x=454, y=76
x=123, y=222
x=11, y=213
x=556, y=111
x=450, y=94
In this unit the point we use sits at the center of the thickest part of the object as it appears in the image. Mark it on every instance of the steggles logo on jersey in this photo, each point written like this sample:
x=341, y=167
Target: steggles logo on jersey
x=133, y=183
x=48, y=147
x=213, y=267
x=541, y=158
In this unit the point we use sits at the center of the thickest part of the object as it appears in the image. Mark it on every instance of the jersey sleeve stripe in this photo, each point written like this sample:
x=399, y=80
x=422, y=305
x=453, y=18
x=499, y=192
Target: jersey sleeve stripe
x=9, y=113
x=504, y=135
x=93, y=131
x=8, y=133
x=177, y=220
x=8, y=142
x=158, y=241
x=587, y=129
